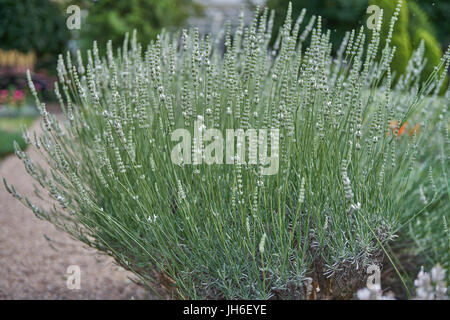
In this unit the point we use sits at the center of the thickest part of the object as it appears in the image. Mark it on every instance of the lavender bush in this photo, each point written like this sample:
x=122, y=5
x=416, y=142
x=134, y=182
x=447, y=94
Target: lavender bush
x=227, y=230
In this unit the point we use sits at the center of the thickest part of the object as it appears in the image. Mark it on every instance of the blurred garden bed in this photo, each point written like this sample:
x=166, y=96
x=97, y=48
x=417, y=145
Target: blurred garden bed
x=10, y=131
x=15, y=113
x=17, y=110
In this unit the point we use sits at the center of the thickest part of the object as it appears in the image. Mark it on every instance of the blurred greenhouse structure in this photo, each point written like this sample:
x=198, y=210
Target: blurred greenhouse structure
x=216, y=12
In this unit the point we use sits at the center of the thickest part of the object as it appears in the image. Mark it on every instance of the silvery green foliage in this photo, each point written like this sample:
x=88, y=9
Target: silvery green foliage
x=226, y=231
x=426, y=201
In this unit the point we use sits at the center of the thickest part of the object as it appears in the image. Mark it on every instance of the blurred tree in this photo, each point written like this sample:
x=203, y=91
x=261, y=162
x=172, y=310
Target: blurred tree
x=111, y=19
x=438, y=12
x=420, y=29
x=33, y=25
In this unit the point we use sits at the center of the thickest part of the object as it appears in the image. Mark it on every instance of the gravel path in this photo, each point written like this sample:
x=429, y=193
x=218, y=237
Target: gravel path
x=32, y=267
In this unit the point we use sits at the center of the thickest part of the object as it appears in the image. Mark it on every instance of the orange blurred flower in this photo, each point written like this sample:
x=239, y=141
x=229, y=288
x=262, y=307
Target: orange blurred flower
x=402, y=129
x=393, y=125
